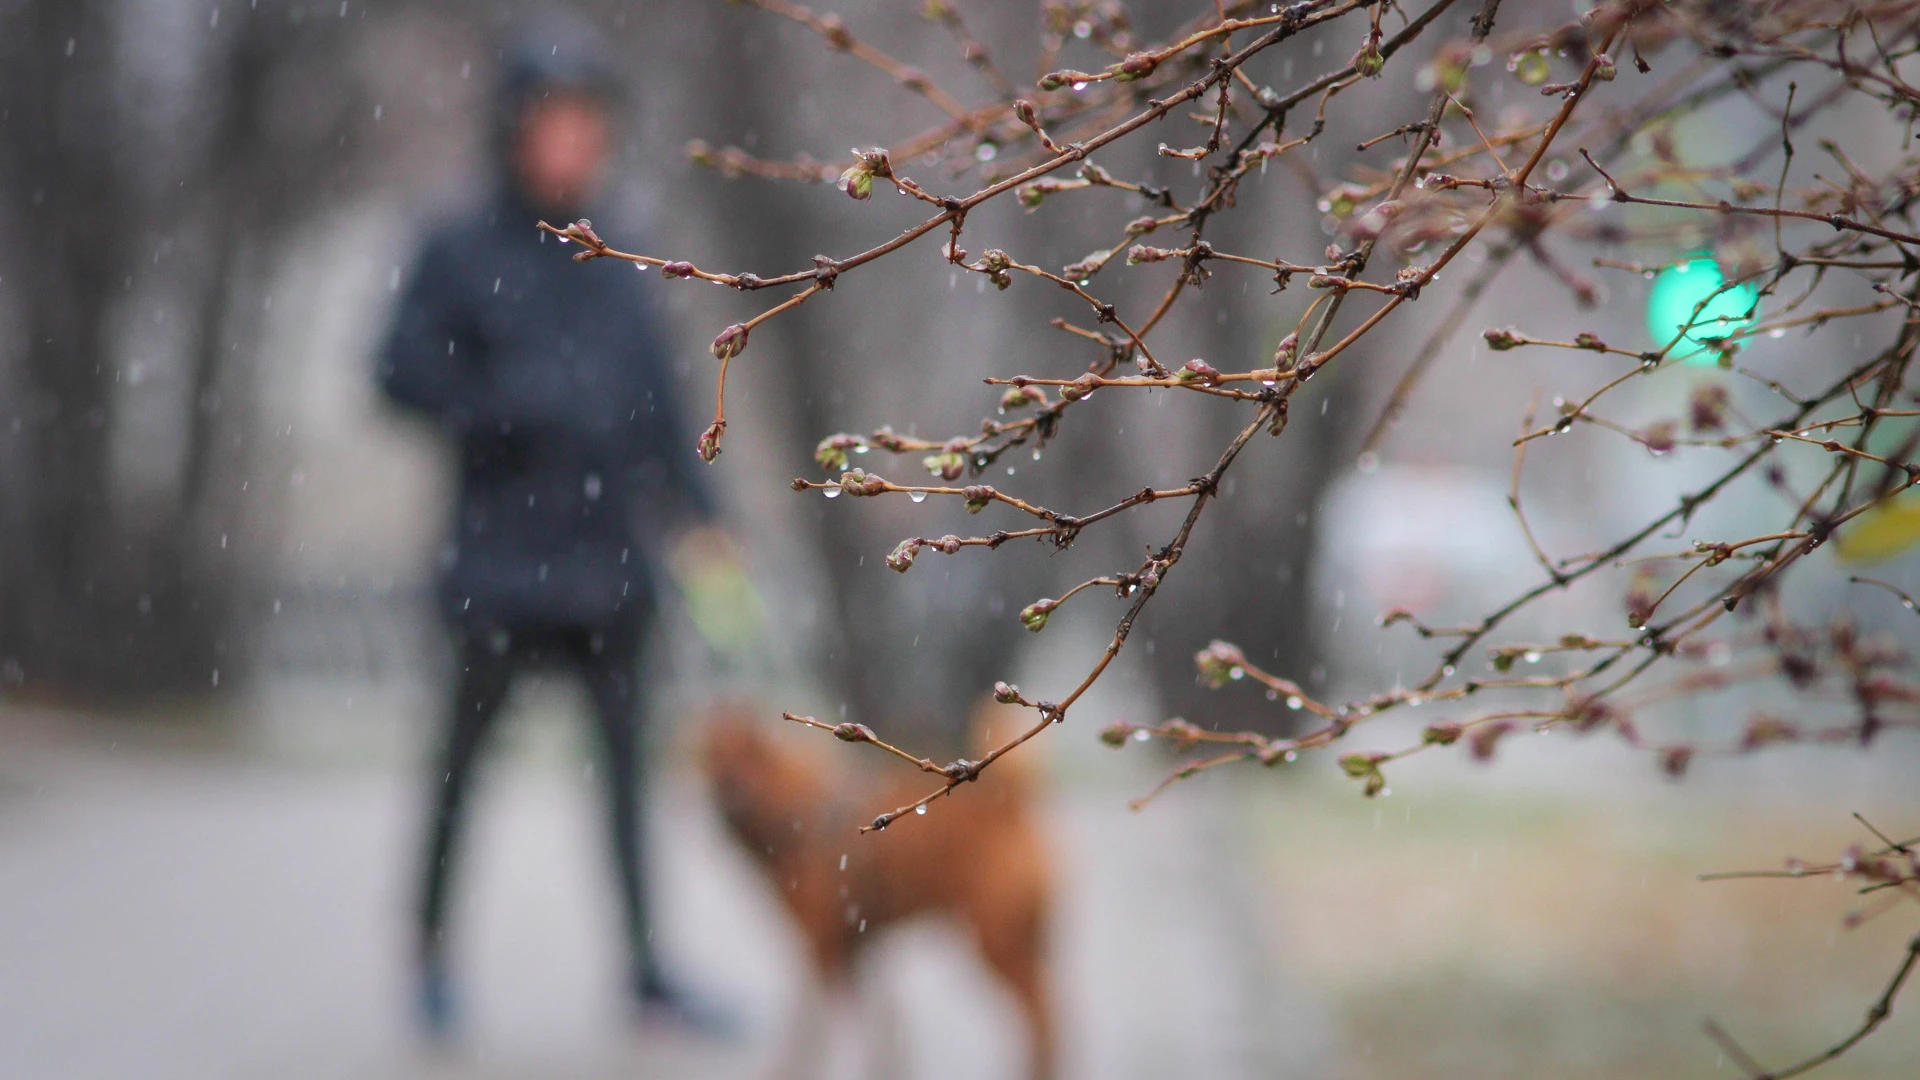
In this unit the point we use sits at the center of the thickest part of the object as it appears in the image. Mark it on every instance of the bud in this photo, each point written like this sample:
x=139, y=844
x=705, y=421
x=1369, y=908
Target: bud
x=1034, y=615
x=1006, y=693
x=1642, y=592
x=834, y=29
x=857, y=182
x=1485, y=737
x=1142, y=225
x=1116, y=733
x=1023, y=112
x=1658, y=436
x=914, y=79
x=1198, y=371
x=709, y=445
x=676, y=269
x=731, y=342
x=977, y=496
x=947, y=465
x=1441, y=733
x=1603, y=69
x=995, y=263
x=1031, y=195
x=1284, y=353
x=1707, y=406
x=1141, y=253
x=1137, y=66
x=1588, y=713
x=1218, y=661
x=1369, y=61
x=831, y=452
x=1531, y=67
x=1500, y=340
x=1764, y=729
x=1080, y=387
x=1360, y=763
x=700, y=153
x=948, y=545
x=1586, y=340
x=851, y=732
x=1086, y=267
x=854, y=482
x=1675, y=759
x=1019, y=396
x=1054, y=80
x=901, y=558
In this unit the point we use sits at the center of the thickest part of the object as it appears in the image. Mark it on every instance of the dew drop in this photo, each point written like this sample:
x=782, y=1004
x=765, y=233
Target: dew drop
x=1236, y=673
x=917, y=496
x=1368, y=462
x=1142, y=736
x=1777, y=333
x=1273, y=695
x=1295, y=703
x=1289, y=756
x=1531, y=657
x=831, y=493
x=861, y=449
x=921, y=809
x=986, y=151
x=1036, y=455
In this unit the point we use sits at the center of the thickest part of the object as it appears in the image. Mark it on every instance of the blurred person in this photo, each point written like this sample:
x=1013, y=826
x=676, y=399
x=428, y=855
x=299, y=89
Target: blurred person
x=551, y=377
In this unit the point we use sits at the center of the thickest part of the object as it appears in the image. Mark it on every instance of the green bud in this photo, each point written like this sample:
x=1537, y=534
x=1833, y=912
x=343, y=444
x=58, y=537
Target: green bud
x=1368, y=61
x=901, y=557
x=947, y=465
x=1034, y=615
x=857, y=182
x=1218, y=662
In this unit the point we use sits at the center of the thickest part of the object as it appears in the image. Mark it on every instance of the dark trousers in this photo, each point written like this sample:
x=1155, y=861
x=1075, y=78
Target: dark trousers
x=489, y=655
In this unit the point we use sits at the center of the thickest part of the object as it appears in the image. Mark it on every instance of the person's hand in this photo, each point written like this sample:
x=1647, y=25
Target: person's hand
x=720, y=597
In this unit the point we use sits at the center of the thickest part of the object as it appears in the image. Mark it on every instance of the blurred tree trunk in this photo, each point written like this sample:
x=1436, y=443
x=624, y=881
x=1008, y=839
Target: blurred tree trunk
x=100, y=602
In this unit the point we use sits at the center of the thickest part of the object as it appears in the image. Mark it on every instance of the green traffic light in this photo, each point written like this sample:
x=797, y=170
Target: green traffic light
x=1684, y=286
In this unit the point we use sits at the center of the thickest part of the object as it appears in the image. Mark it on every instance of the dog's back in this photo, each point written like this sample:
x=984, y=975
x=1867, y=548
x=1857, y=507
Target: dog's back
x=976, y=855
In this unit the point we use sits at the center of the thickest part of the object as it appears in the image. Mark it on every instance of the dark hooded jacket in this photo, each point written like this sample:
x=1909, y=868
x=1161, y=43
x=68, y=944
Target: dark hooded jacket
x=553, y=377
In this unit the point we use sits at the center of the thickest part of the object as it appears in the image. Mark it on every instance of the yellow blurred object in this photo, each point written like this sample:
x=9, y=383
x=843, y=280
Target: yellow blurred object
x=720, y=597
x=1883, y=532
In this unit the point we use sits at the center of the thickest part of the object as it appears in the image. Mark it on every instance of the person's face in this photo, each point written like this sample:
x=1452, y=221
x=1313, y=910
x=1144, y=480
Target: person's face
x=561, y=151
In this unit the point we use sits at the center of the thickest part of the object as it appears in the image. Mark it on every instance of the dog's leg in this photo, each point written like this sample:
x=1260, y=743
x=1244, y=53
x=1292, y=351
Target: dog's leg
x=1012, y=945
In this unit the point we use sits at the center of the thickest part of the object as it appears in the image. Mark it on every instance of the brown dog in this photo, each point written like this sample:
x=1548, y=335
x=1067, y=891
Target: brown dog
x=976, y=856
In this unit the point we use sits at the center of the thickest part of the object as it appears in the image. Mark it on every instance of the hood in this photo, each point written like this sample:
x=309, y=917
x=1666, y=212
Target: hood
x=553, y=52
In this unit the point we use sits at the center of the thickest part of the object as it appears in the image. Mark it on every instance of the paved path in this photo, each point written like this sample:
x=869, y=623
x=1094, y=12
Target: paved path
x=217, y=915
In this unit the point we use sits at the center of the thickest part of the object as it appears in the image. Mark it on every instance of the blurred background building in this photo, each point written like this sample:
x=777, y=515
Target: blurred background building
x=218, y=661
